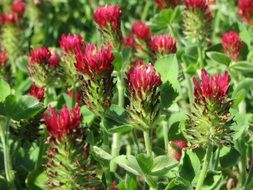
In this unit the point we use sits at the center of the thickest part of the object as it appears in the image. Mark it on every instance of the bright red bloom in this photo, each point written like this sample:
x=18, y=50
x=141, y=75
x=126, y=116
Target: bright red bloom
x=94, y=61
x=211, y=87
x=176, y=148
x=108, y=15
x=142, y=78
x=63, y=122
x=128, y=41
x=141, y=30
x=54, y=59
x=18, y=8
x=3, y=58
x=232, y=44
x=162, y=4
x=37, y=92
x=71, y=43
x=163, y=44
x=245, y=10
x=40, y=55
x=196, y=5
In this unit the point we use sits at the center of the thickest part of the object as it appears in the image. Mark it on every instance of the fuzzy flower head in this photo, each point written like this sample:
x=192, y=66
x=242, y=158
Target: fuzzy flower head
x=54, y=59
x=197, y=19
x=63, y=122
x=211, y=88
x=143, y=79
x=128, y=41
x=232, y=44
x=37, y=92
x=94, y=61
x=18, y=8
x=163, y=4
x=40, y=56
x=245, y=10
x=3, y=58
x=108, y=16
x=70, y=43
x=210, y=121
x=163, y=44
x=141, y=31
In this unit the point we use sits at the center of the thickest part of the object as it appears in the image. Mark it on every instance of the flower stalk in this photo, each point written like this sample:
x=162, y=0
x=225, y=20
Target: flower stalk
x=147, y=142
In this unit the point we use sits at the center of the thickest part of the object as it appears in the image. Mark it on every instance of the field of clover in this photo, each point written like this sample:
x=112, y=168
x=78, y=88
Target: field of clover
x=126, y=94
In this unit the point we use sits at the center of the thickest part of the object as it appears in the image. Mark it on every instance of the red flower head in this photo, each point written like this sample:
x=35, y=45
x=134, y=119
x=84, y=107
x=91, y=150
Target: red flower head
x=142, y=79
x=37, y=92
x=211, y=88
x=71, y=43
x=40, y=55
x=141, y=30
x=9, y=18
x=18, y=8
x=108, y=15
x=54, y=59
x=232, y=44
x=176, y=147
x=163, y=44
x=3, y=58
x=128, y=41
x=162, y=4
x=63, y=122
x=94, y=61
x=245, y=10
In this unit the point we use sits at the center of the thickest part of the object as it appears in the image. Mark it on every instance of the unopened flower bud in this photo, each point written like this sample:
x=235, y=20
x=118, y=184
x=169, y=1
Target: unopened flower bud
x=163, y=44
x=163, y=4
x=37, y=92
x=245, y=10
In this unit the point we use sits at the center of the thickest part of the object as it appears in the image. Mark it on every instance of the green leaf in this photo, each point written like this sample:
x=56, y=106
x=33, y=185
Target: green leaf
x=131, y=182
x=88, y=115
x=36, y=179
x=243, y=67
x=167, y=94
x=101, y=153
x=246, y=84
x=118, y=61
x=145, y=162
x=162, y=164
x=20, y=108
x=3, y=183
x=212, y=181
x=219, y=57
x=129, y=163
x=167, y=67
x=241, y=123
x=228, y=157
x=190, y=166
x=5, y=90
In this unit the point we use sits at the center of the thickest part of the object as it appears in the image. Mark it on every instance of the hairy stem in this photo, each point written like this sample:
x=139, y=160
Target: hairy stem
x=147, y=141
x=200, y=54
x=165, y=135
x=204, y=169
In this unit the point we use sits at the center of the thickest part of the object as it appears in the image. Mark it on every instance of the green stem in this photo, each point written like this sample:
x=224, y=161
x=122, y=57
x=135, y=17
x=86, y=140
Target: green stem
x=249, y=178
x=145, y=10
x=73, y=95
x=243, y=161
x=165, y=135
x=147, y=142
x=6, y=151
x=189, y=85
x=204, y=170
x=200, y=54
x=217, y=158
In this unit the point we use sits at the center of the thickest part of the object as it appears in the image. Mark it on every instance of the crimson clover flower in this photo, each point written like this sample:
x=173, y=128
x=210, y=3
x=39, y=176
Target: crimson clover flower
x=210, y=120
x=162, y=4
x=128, y=41
x=94, y=61
x=245, y=10
x=163, y=44
x=70, y=43
x=63, y=122
x=143, y=82
x=40, y=56
x=54, y=59
x=141, y=30
x=197, y=19
x=176, y=147
x=37, y=92
x=18, y=8
x=232, y=44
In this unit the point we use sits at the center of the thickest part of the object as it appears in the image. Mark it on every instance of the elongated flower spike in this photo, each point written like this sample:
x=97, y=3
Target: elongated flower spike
x=108, y=20
x=197, y=20
x=245, y=10
x=210, y=121
x=163, y=4
x=37, y=92
x=143, y=83
x=95, y=67
x=232, y=44
x=163, y=44
x=42, y=66
x=68, y=164
x=70, y=44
